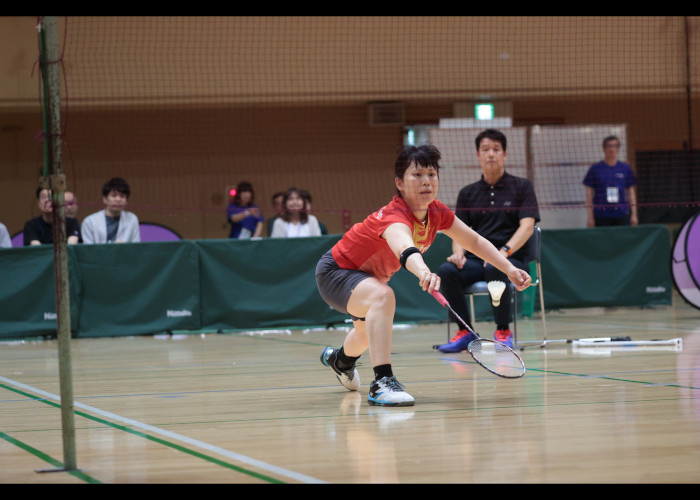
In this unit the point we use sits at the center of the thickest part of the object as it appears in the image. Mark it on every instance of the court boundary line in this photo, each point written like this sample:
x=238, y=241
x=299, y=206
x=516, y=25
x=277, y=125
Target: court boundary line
x=237, y=457
x=48, y=458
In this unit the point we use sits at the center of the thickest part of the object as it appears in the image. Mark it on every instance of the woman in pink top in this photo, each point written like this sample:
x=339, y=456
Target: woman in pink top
x=353, y=276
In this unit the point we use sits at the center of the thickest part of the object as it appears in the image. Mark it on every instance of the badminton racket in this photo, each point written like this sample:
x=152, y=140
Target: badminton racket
x=496, y=357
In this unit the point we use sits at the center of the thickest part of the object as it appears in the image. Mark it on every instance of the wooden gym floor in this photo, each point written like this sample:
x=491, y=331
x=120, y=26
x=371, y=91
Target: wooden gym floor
x=260, y=408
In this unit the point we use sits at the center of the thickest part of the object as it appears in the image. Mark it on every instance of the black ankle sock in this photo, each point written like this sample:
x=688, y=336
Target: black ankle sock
x=382, y=371
x=502, y=327
x=343, y=361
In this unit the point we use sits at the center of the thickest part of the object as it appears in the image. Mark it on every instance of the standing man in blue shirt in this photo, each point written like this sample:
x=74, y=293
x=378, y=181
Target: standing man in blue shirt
x=611, y=197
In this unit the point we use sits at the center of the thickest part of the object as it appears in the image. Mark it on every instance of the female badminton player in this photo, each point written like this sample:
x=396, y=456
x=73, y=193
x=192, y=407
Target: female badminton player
x=353, y=276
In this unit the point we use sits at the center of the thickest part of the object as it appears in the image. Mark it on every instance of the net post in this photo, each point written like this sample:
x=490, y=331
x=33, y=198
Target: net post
x=48, y=34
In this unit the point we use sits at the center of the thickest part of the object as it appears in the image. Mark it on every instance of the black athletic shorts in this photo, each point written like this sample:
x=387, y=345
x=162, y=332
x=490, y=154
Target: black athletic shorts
x=336, y=284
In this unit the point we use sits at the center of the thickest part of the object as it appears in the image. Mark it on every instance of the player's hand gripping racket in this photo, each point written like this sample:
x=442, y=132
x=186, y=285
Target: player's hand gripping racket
x=495, y=357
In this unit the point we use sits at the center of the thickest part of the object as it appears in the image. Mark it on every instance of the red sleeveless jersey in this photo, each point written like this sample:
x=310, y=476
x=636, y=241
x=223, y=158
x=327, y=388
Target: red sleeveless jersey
x=363, y=247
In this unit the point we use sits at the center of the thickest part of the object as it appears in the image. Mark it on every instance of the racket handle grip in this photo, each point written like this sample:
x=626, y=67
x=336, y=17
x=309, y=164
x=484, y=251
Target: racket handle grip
x=440, y=298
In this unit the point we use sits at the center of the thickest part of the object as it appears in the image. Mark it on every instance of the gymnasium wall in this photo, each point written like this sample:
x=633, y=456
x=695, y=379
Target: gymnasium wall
x=184, y=107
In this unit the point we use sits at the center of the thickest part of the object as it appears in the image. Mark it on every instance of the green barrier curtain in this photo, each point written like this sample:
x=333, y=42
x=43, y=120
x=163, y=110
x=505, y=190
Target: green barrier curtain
x=262, y=283
x=137, y=288
x=27, y=292
x=219, y=285
x=606, y=266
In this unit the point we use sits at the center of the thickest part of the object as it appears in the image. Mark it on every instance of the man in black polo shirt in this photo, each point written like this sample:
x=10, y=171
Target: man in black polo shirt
x=39, y=231
x=503, y=209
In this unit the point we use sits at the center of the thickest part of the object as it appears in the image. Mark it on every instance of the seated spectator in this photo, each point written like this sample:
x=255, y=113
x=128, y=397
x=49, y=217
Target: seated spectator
x=39, y=231
x=70, y=204
x=295, y=220
x=307, y=196
x=70, y=207
x=5, y=240
x=243, y=214
x=277, y=200
x=113, y=224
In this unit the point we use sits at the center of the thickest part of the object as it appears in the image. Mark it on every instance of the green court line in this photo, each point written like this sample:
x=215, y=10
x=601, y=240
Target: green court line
x=614, y=379
x=588, y=375
x=541, y=370
x=155, y=439
x=47, y=458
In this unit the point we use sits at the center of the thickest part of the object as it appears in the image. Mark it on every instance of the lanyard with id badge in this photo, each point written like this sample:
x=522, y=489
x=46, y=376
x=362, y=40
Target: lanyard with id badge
x=612, y=194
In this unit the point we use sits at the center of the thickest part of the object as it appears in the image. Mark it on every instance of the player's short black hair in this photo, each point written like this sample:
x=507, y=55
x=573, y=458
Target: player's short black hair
x=425, y=155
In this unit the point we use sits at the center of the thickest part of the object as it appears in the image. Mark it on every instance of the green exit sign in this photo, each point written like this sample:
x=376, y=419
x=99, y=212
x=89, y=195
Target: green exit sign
x=483, y=111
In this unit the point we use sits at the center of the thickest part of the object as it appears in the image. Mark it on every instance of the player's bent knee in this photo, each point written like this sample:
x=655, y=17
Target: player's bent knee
x=370, y=294
x=384, y=294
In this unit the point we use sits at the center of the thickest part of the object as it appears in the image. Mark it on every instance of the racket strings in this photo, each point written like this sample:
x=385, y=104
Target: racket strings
x=497, y=358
